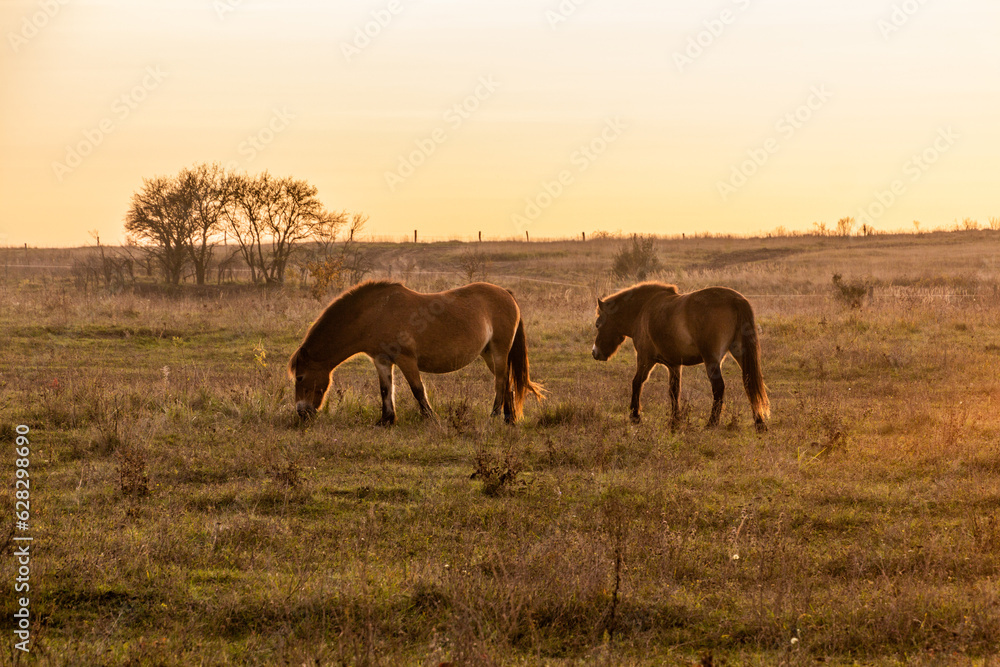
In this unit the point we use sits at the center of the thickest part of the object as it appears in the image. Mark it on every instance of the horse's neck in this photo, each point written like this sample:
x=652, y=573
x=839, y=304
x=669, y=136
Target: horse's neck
x=336, y=342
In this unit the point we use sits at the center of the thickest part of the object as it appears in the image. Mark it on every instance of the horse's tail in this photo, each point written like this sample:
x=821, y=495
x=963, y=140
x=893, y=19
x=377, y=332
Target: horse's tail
x=753, y=379
x=517, y=367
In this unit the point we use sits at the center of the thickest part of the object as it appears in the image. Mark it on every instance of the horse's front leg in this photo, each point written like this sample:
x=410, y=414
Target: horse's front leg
x=384, y=367
x=412, y=374
x=642, y=368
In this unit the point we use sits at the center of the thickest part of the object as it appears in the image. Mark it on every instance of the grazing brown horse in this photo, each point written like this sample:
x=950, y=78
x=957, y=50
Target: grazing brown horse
x=433, y=333
x=679, y=330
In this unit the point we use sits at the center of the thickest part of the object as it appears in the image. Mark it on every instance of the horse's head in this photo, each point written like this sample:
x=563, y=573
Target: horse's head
x=609, y=332
x=311, y=381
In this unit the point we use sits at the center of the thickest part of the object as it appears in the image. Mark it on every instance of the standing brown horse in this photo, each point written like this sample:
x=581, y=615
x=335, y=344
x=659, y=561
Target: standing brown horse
x=679, y=330
x=433, y=333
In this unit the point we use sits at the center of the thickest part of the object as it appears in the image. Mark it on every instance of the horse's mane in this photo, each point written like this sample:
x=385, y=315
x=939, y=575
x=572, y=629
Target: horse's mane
x=361, y=288
x=341, y=303
x=649, y=286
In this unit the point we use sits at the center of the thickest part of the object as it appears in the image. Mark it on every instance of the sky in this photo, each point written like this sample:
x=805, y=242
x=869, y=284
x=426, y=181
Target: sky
x=548, y=117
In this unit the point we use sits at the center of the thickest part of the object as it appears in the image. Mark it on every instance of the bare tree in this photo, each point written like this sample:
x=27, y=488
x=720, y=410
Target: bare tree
x=820, y=229
x=210, y=189
x=294, y=219
x=337, y=260
x=159, y=217
x=327, y=230
x=269, y=217
x=179, y=220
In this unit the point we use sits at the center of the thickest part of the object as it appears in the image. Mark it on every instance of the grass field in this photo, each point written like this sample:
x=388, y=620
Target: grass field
x=182, y=515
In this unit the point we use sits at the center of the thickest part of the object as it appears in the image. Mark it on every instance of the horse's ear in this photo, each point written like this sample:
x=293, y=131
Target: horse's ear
x=600, y=304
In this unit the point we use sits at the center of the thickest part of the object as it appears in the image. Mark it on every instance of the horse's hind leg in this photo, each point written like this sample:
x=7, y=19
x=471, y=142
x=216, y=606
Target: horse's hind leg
x=714, y=369
x=675, y=396
x=501, y=381
x=504, y=392
x=388, y=391
x=412, y=374
x=758, y=420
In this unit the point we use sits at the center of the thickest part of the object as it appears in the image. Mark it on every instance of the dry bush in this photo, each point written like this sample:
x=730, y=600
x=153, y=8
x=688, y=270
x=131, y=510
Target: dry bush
x=618, y=510
x=853, y=293
x=288, y=476
x=475, y=264
x=460, y=416
x=497, y=471
x=133, y=477
x=636, y=259
x=845, y=226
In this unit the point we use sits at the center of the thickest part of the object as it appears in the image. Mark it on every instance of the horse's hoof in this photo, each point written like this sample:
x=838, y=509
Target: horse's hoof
x=761, y=427
x=635, y=418
x=386, y=421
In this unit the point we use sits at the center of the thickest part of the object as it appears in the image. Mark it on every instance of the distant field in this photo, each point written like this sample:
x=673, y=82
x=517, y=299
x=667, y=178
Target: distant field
x=182, y=515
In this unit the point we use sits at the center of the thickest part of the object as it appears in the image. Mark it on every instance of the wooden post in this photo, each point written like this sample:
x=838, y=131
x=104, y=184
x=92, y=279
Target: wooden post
x=414, y=236
x=480, y=237
x=526, y=236
x=583, y=236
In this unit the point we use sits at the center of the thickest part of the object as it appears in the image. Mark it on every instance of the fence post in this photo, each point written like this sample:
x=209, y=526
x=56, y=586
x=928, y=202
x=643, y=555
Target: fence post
x=414, y=236
x=526, y=236
x=583, y=235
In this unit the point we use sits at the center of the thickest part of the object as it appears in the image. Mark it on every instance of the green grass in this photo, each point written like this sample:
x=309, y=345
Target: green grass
x=182, y=514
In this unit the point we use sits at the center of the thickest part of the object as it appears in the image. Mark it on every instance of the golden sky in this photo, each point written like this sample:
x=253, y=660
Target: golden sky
x=552, y=117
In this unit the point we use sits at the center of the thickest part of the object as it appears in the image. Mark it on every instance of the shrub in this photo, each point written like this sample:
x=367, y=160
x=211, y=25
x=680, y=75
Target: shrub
x=497, y=473
x=476, y=263
x=636, y=259
x=851, y=293
x=845, y=226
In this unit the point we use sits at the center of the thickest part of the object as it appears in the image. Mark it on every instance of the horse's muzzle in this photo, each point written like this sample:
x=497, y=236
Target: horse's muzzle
x=305, y=410
x=597, y=355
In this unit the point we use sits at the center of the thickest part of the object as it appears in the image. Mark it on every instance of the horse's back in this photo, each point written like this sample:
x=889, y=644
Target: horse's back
x=686, y=326
x=447, y=330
